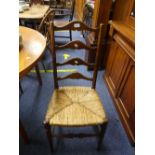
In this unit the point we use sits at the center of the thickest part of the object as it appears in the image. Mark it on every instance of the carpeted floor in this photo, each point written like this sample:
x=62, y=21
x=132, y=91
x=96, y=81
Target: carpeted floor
x=33, y=105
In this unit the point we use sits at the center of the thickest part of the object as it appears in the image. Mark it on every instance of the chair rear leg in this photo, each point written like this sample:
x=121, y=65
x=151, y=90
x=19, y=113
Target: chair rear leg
x=20, y=87
x=49, y=136
x=43, y=66
x=101, y=135
x=38, y=74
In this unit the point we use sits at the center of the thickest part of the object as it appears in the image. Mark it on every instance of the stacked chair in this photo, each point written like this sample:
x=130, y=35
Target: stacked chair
x=64, y=15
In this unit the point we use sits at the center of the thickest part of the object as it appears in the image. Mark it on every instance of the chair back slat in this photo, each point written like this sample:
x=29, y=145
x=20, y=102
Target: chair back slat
x=75, y=61
x=75, y=26
x=76, y=45
x=75, y=76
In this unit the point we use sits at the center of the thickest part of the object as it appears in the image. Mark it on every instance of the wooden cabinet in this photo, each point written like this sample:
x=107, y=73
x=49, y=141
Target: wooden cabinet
x=120, y=74
x=116, y=66
x=101, y=13
x=79, y=6
x=126, y=99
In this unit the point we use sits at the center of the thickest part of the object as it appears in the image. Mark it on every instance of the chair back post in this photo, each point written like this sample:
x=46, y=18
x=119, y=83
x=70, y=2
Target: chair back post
x=53, y=52
x=98, y=52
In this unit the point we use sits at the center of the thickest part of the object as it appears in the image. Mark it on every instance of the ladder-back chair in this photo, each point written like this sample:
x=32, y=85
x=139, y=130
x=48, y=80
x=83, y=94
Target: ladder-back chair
x=42, y=28
x=75, y=106
x=36, y=2
x=65, y=15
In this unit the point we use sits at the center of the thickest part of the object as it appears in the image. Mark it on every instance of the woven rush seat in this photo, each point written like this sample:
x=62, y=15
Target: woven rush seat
x=75, y=106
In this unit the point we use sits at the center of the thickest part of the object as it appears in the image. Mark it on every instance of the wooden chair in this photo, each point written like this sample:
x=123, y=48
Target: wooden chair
x=56, y=4
x=75, y=106
x=30, y=23
x=67, y=13
x=42, y=28
x=36, y=2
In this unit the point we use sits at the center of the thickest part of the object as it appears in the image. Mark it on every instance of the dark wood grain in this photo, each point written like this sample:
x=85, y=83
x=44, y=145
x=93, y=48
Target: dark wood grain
x=120, y=74
x=75, y=76
x=74, y=26
x=75, y=61
x=76, y=44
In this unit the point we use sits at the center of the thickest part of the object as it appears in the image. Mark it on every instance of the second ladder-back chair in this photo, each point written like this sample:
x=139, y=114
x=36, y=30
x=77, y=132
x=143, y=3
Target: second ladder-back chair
x=56, y=4
x=36, y=2
x=65, y=15
x=32, y=23
x=75, y=106
x=42, y=28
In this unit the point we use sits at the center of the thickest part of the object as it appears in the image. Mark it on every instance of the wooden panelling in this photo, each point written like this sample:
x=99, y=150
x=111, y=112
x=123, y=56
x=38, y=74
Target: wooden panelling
x=120, y=75
x=79, y=6
x=101, y=14
x=123, y=29
x=116, y=65
x=122, y=11
x=129, y=19
x=126, y=100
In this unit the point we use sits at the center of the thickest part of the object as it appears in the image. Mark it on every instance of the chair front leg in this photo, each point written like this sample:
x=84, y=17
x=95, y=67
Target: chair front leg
x=101, y=135
x=49, y=136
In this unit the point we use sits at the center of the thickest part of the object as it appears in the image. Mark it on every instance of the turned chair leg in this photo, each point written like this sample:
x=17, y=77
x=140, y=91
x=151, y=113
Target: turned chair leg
x=49, y=136
x=101, y=135
x=38, y=74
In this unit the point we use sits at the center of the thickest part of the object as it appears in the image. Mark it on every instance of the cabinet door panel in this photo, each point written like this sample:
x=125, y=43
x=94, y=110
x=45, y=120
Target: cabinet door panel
x=116, y=66
x=126, y=96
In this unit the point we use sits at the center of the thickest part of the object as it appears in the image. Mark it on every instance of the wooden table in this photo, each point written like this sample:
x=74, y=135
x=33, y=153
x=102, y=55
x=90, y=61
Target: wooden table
x=35, y=12
x=34, y=44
